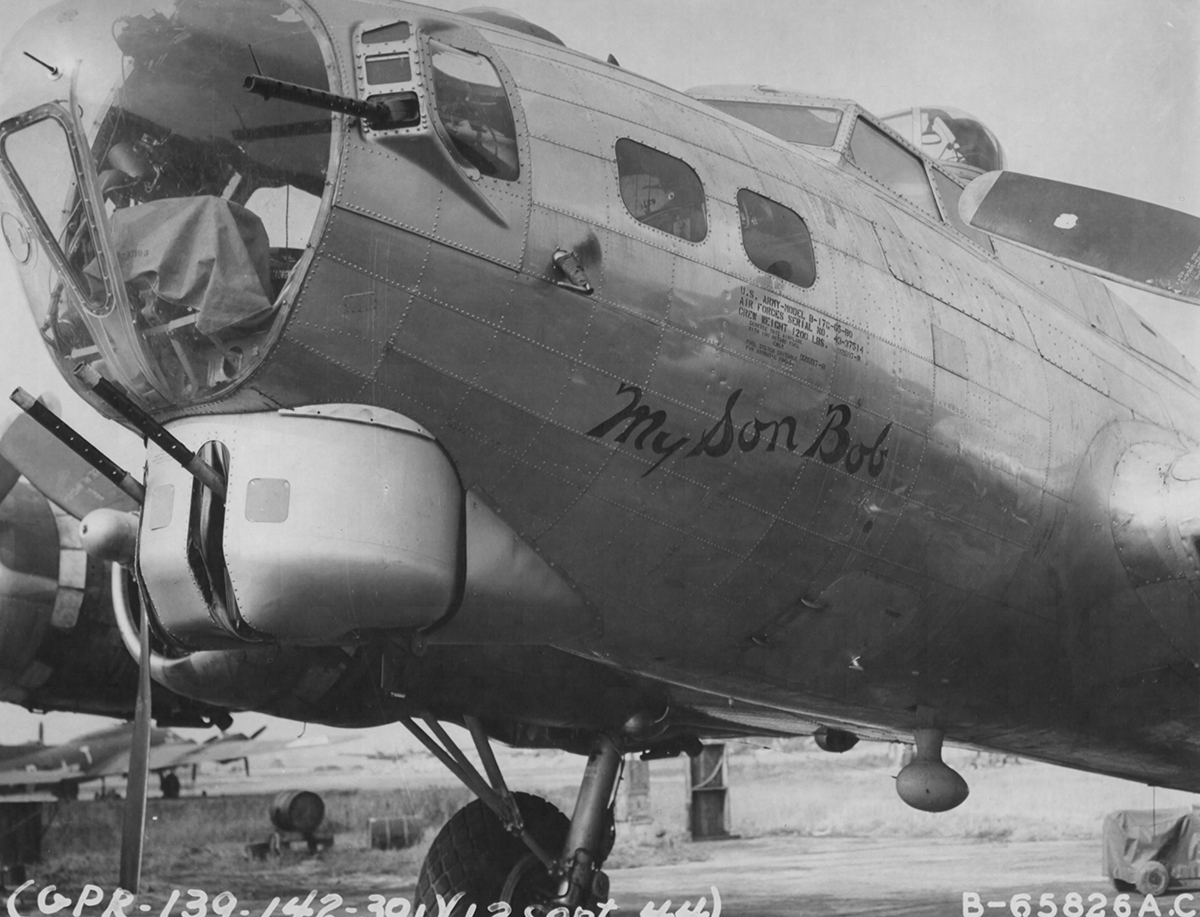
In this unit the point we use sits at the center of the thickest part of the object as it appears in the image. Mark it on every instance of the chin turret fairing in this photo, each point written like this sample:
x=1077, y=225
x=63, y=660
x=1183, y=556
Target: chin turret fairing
x=336, y=522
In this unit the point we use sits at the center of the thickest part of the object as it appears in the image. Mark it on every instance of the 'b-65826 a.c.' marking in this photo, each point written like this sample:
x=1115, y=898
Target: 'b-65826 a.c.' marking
x=832, y=444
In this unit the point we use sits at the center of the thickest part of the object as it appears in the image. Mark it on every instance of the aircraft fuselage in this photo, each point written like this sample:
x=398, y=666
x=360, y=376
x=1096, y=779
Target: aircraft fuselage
x=931, y=487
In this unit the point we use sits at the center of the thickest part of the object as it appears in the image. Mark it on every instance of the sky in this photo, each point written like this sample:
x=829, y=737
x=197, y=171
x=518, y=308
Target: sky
x=1102, y=93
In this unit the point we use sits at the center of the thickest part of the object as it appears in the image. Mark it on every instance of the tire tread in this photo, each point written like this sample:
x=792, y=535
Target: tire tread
x=474, y=854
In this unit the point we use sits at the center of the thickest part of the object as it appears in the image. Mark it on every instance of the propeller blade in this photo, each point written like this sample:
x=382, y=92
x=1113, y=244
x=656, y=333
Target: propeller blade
x=56, y=471
x=8, y=477
x=133, y=832
x=1119, y=238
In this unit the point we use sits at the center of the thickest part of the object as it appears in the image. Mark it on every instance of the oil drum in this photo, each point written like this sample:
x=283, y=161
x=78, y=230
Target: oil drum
x=297, y=810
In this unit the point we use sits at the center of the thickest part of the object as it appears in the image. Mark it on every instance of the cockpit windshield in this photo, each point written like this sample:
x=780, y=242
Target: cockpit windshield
x=172, y=206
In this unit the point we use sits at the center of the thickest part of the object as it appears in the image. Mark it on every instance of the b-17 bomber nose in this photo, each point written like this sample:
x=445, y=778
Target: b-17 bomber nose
x=160, y=215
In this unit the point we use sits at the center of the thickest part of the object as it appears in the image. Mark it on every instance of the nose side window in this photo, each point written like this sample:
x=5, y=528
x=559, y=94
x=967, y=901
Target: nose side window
x=776, y=239
x=661, y=191
x=474, y=110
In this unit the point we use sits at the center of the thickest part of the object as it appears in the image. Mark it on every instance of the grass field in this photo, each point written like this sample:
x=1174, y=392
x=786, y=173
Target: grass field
x=777, y=791
x=787, y=788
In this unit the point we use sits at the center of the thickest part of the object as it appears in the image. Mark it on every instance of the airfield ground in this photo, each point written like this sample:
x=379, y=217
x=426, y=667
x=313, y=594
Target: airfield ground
x=818, y=834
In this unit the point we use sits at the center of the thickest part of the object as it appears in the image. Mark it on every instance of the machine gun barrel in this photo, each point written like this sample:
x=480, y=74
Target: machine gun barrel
x=80, y=446
x=151, y=428
x=269, y=87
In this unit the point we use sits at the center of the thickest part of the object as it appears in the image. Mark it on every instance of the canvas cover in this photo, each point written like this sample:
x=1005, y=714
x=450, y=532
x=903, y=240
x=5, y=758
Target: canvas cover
x=201, y=254
x=1132, y=838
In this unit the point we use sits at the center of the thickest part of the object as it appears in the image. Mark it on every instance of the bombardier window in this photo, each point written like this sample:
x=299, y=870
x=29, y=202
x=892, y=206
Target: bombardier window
x=474, y=110
x=886, y=161
x=776, y=239
x=661, y=191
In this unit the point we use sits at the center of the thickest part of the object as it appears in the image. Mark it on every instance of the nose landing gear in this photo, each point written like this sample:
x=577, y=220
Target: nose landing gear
x=514, y=847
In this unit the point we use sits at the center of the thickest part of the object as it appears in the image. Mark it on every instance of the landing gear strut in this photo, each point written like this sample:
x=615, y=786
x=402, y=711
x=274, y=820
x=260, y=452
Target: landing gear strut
x=514, y=847
x=589, y=841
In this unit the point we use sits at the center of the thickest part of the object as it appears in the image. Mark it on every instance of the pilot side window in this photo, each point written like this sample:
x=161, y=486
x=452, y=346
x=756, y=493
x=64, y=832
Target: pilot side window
x=661, y=191
x=886, y=161
x=776, y=239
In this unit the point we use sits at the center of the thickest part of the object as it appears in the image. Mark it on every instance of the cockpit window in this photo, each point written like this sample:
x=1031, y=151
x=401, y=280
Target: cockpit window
x=886, y=161
x=807, y=124
x=183, y=202
x=776, y=239
x=661, y=191
x=474, y=110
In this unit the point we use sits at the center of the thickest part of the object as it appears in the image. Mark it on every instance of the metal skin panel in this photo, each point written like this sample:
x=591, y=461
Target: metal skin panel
x=920, y=257
x=1147, y=341
x=697, y=490
x=1042, y=275
x=1126, y=389
x=1098, y=305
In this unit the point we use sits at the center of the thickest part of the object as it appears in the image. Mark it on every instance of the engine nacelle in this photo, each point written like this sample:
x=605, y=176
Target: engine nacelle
x=338, y=519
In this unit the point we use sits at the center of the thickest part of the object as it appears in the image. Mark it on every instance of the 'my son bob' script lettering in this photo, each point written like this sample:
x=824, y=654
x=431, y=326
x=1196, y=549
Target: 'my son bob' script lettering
x=648, y=430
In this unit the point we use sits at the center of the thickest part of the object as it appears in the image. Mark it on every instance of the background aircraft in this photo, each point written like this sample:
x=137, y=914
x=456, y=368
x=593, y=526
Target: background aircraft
x=1001, y=132
x=106, y=753
x=97, y=755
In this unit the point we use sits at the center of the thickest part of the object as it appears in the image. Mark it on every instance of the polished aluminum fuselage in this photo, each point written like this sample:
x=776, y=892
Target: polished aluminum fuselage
x=902, y=497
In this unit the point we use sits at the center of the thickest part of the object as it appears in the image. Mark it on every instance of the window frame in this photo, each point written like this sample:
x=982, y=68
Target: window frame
x=889, y=136
x=703, y=199
x=811, y=254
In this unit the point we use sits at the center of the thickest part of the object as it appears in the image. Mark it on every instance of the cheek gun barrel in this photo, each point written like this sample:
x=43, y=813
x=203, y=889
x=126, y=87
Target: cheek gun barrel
x=397, y=110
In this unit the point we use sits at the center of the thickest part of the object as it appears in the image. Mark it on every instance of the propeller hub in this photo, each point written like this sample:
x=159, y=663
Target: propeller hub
x=109, y=535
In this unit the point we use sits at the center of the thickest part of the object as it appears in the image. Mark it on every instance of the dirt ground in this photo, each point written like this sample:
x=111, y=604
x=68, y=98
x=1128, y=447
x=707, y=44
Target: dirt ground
x=764, y=877
x=753, y=877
